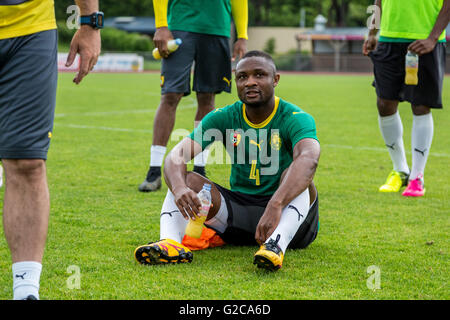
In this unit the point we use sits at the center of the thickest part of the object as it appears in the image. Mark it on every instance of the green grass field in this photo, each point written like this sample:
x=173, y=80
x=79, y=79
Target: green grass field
x=100, y=154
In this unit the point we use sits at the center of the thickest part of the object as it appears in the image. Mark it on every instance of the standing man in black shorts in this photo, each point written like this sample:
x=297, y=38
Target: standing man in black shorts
x=28, y=79
x=204, y=28
x=272, y=201
x=417, y=26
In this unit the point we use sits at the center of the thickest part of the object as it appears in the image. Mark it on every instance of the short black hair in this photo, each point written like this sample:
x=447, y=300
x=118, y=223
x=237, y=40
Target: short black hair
x=262, y=54
x=257, y=53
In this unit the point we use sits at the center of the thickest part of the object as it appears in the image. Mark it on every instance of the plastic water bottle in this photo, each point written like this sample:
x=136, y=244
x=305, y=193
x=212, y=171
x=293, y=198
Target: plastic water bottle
x=172, y=45
x=195, y=227
x=411, y=68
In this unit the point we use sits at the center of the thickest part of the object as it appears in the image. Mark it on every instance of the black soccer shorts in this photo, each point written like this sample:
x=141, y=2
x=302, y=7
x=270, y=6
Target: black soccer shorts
x=389, y=70
x=245, y=211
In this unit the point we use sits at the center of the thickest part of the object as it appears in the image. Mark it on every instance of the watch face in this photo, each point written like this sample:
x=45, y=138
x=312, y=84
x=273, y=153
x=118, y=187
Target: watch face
x=100, y=20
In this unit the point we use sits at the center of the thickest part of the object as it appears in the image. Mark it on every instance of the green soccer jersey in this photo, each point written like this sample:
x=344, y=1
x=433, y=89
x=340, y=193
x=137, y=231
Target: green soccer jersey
x=201, y=16
x=259, y=153
x=409, y=19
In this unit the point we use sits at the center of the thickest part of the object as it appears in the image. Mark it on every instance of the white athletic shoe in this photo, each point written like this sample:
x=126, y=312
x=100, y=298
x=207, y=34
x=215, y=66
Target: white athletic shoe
x=1, y=176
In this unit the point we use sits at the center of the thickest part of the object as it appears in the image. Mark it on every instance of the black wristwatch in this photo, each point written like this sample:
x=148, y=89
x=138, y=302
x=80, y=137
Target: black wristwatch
x=94, y=20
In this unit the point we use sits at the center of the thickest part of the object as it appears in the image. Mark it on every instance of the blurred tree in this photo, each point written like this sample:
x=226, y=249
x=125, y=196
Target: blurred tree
x=340, y=13
x=261, y=12
x=111, y=8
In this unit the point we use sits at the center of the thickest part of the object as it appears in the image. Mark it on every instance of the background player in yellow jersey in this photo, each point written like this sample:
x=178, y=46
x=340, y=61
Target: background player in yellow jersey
x=417, y=26
x=28, y=77
x=270, y=203
x=204, y=28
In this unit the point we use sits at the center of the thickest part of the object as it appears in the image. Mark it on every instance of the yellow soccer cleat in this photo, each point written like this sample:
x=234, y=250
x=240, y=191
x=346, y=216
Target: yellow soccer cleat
x=269, y=256
x=163, y=252
x=394, y=182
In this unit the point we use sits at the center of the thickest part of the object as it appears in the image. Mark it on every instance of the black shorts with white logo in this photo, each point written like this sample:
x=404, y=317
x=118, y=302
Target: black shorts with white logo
x=389, y=70
x=212, y=70
x=245, y=211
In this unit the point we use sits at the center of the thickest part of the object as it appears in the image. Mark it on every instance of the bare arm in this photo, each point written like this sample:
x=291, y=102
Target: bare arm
x=175, y=176
x=427, y=45
x=162, y=34
x=299, y=176
x=86, y=41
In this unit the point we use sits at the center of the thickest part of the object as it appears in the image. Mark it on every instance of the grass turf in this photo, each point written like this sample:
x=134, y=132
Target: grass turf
x=100, y=154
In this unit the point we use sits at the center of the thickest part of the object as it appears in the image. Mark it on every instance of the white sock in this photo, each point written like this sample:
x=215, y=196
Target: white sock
x=157, y=155
x=26, y=276
x=421, y=138
x=292, y=217
x=220, y=221
x=172, y=223
x=391, y=128
x=201, y=158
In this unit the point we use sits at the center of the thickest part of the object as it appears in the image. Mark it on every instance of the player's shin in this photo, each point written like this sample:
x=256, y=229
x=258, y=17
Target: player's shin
x=292, y=216
x=172, y=222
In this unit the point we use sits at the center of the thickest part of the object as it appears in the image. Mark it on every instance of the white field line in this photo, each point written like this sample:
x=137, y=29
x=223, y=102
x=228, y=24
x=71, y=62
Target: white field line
x=192, y=105
x=336, y=146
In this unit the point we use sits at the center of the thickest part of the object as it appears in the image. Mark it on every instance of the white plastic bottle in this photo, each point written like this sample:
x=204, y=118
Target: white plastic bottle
x=195, y=227
x=172, y=45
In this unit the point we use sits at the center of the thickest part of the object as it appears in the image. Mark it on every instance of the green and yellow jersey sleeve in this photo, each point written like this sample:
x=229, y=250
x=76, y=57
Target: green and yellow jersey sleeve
x=215, y=121
x=160, y=9
x=239, y=10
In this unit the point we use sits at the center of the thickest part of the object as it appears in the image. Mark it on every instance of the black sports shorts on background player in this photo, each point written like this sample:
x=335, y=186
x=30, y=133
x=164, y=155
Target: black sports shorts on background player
x=389, y=70
x=212, y=70
x=28, y=78
x=245, y=211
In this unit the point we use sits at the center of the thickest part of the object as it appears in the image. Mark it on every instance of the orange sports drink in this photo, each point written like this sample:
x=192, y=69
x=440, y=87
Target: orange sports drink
x=194, y=228
x=411, y=68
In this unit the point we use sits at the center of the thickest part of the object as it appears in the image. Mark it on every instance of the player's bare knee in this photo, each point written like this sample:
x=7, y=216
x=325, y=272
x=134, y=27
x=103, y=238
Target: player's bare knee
x=170, y=100
x=420, y=110
x=24, y=168
x=195, y=181
x=386, y=107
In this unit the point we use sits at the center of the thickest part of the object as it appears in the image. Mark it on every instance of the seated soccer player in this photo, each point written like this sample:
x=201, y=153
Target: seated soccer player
x=274, y=151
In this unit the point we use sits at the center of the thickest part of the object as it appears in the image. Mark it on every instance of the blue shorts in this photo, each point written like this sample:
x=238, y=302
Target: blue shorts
x=28, y=79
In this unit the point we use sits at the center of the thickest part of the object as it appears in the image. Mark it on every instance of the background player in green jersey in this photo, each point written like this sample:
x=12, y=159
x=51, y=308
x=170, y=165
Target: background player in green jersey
x=271, y=203
x=204, y=26
x=417, y=26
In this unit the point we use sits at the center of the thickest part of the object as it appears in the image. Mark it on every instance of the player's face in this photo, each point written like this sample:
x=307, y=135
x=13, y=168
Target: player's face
x=255, y=81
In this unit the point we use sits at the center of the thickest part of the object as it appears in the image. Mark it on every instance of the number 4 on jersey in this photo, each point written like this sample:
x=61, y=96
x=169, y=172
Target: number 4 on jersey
x=254, y=173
